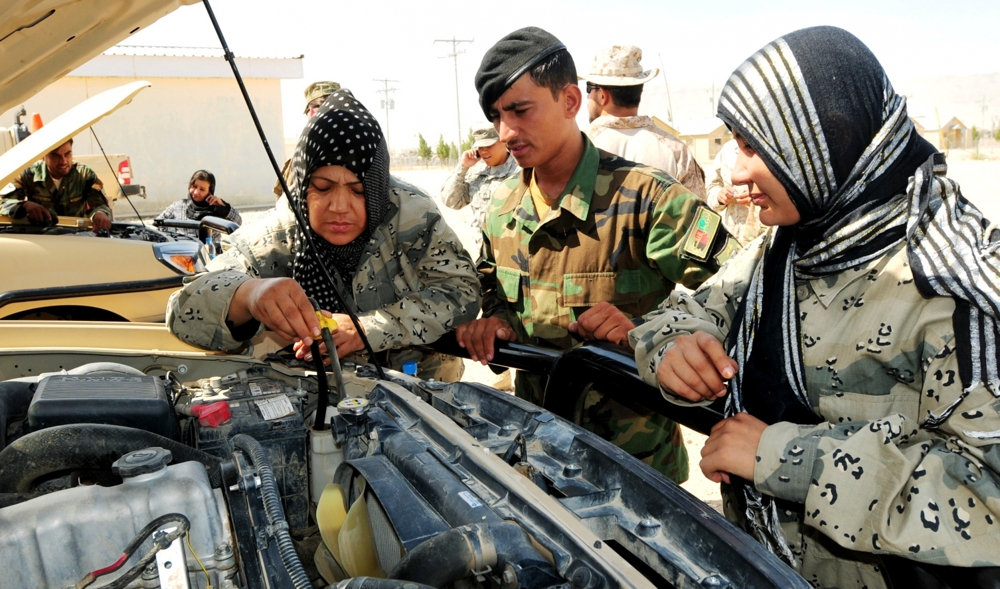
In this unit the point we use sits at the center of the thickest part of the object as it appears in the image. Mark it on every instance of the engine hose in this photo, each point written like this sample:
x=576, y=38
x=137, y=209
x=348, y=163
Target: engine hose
x=373, y=583
x=85, y=446
x=15, y=397
x=272, y=505
x=429, y=477
x=453, y=555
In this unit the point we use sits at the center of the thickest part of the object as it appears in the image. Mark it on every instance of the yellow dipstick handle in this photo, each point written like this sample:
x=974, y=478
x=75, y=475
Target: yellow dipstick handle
x=326, y=322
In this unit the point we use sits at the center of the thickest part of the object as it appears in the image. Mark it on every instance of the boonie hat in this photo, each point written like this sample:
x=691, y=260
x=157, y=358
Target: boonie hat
x=319, y=90
x=618, y=65
x=484, y=135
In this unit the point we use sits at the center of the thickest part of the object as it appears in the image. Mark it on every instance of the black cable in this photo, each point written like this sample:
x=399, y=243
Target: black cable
x=115, y=172
x=303, y=223
x=323, y=397
x=159, y=543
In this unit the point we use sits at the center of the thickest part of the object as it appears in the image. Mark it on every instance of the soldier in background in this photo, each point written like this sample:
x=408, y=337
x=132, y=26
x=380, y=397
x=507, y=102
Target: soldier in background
x=480, y=171
x=733, y=202
x=316, y=95
x=614, y=89
x=55, y=185
x=581, y=242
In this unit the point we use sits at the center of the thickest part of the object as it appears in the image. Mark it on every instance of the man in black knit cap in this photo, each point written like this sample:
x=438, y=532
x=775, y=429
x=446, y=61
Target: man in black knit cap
x=582, y=241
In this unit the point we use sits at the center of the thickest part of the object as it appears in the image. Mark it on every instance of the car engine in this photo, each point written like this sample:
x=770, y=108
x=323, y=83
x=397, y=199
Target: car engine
x=134, y=473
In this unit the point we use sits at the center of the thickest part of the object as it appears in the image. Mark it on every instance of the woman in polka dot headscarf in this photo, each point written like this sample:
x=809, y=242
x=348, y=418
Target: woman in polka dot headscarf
x=395, y=261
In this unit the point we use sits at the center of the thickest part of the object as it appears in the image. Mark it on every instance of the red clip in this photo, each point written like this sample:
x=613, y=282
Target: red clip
x=212, y=414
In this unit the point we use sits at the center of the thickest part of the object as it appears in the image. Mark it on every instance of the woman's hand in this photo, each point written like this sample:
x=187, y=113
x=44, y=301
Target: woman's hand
x=731, y=448
x=345, y=337
x=695, y=367
x=215, y=201
x=280, y=304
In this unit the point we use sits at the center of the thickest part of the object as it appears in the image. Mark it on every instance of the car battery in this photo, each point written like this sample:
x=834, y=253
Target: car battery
x=134, y=401
x=262, y=409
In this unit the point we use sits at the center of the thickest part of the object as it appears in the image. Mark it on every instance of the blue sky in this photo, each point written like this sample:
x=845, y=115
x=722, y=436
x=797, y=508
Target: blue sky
x=698, y=42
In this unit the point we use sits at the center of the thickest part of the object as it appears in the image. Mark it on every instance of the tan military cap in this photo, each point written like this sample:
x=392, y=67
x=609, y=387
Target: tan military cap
x=319, y=90
x=618, y=65
x=484, y=135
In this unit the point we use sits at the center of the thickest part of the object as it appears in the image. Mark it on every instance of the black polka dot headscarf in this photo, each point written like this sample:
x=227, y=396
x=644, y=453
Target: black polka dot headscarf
x=341, y=133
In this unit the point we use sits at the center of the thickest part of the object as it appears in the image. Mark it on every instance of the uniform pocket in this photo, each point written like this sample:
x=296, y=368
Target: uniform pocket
x=586, y=289
x=508, y=284
x=859, y=406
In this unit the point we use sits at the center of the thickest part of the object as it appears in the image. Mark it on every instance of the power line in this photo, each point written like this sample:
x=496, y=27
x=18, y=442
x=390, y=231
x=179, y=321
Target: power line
x=387, y=103
x=454, y=54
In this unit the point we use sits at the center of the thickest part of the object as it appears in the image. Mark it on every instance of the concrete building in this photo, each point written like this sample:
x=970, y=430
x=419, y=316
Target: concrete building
x=193, y=117
x=704, y=137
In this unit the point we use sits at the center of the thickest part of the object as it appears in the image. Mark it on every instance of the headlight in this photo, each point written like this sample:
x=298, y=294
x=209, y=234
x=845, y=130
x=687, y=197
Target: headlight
x=179, y=256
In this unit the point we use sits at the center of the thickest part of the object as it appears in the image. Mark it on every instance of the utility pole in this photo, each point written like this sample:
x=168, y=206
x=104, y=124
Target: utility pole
x=454, y=54
x=670, y=106
x=387, y=103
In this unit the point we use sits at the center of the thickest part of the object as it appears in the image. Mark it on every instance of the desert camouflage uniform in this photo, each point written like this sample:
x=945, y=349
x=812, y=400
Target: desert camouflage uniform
x=414, y=282
x=899, y=466
x=79, y=194
x=615, y=236
x=638, y=139
x=474, y=187
x=741, y=220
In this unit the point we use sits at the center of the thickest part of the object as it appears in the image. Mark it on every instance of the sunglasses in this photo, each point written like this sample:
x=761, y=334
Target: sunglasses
x=591, y=87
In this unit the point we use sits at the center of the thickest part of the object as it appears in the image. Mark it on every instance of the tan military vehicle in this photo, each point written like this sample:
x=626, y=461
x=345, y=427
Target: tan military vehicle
x=125, y=275
x=129, y=459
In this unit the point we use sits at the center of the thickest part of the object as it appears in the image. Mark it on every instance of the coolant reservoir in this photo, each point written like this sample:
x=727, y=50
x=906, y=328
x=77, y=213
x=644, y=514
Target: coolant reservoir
x=325, y=455
x=56, y=539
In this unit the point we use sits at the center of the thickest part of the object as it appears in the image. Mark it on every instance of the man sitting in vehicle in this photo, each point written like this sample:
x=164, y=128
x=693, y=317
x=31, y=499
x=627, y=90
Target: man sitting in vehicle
x=56, y=186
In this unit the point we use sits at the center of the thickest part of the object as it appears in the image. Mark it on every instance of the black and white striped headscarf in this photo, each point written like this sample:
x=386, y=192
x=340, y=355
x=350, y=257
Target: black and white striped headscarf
x=819, y=110
x=341, y=133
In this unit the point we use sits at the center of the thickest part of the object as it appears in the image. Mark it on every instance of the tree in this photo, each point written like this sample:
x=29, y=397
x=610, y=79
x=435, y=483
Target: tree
x=467, y=144
x=423, y=149
x=454, y=153
x=996, y=135
x=442, y=150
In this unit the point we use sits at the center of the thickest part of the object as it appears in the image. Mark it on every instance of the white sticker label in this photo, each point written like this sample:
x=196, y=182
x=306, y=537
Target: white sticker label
x=470, y=499
x=275, y=407
x=255, y=389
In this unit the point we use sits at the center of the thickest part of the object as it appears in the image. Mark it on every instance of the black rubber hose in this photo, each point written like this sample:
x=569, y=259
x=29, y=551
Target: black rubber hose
x=15, y=397
x=272, y=505
x=85, y=446
x=453, y=555
x=373, y=583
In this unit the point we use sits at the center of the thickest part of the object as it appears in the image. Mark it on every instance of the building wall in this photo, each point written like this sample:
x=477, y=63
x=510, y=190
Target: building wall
x=175, y=127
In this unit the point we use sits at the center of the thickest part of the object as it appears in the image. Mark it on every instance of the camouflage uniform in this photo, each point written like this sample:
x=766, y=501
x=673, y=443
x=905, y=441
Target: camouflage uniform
x=615, y=236
x=474, y=187
x=79, y=194
x=896, y=468
x=741, y=220
x=639, y=139
x=414, y=282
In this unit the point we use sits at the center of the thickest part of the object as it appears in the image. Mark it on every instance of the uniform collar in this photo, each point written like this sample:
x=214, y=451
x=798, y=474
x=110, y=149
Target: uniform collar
x=613, y=122
x=828, y=289
x=575, y=198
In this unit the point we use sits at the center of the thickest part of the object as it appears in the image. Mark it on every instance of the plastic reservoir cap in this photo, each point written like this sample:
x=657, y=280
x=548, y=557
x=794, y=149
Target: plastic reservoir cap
x=410, y=368
x=212, y=414
x=142, y=461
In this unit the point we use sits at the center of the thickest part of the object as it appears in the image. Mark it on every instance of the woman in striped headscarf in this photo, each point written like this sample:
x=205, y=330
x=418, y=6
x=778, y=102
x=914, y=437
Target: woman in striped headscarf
x=855, y=344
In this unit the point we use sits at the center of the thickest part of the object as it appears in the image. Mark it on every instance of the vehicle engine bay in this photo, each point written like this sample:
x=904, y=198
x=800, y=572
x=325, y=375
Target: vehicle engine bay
x=145, y=470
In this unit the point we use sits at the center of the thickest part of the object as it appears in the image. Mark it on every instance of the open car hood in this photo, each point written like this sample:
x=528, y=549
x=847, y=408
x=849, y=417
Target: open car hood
x=66, y=125
x=43, y=40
